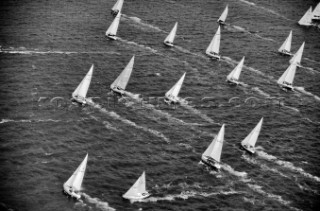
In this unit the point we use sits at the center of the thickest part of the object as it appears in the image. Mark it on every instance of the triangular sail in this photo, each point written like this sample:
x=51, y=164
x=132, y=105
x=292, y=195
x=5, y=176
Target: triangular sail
x=117, y=6
x=252, y=138
x=316, y=12
x=174, y=91
x=75, y=181
x=224, y=15
x=288, y=75
x=82, y=89
x=215, y=148
x=172, y=34
x=137, y=188
x=286, y=46
x=235, y=74
x=296, y=59
x=123, y=79
x=113, y=28
x=306, y=18
x=214, y=45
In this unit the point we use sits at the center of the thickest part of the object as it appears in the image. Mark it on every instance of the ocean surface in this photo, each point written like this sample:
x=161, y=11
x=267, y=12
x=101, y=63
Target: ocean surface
x=47, y=47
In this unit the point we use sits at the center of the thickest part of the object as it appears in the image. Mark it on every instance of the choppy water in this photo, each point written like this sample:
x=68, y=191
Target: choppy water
x=48, y=47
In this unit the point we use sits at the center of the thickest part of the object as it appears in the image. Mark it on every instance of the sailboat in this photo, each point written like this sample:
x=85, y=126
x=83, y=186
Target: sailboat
x=286, y=46
x=286, y=80
x=212, y=154
x=120, y=84
x=170, y=38
x=306, y=19
x=250, y=141
x=113, y=28
x=223, y=16
x=171, y=96
x=233, y=77
x=296, y=59
x=213, y=48
x=117, y=7
x=72, y=186
x=79, y=95
x=316, y=14
x=138, y=189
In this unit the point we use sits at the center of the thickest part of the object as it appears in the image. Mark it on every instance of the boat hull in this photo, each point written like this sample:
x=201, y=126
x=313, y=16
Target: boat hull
x=221, y=23
x=232, y=82
x=245, y=147
x=112, y=37
x=114, y=13
x=168, y=44
x=171, y=101
x=286, y=87
x=119, y=92
x=69, y=193
x=214, y=56
x=285, y=53
x=212, y=163
x=138, y=197
x=80, y=101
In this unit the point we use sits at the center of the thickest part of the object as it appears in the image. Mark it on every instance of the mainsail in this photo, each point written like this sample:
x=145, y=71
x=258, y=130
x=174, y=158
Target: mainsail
x=224, y=15
x=215, y=148
x=316, y=13
x=82, y=89
x=75, y=181
x=214, y=45
x=288, y=76
x=113, y=28
x=172, y=34
x=123, y=79
x=296, y=59
x=174, y=91
x=286, y=46
x=306, y=18
x=137, y=189
x=117, y=6
x=235, y=74
x=252, y=138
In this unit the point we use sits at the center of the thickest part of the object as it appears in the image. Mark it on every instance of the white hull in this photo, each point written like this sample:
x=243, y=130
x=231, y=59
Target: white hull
x=112, y=37
x=232, y=82
x=286, y=87
x=214, y=56
x=170, y=101
x=168, y=44
x=140, y=196
x=70, y=193
x=81, y=101
x=210, y=162
x=251, y=150
x=285, y=53
x=117, y=91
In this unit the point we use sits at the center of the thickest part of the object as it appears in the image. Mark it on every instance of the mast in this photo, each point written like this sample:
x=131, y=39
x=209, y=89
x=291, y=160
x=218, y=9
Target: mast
x=172, y=34
x=287, y=43
x=215, y=43
x=83, y=87
x=113, y=28
x=215, y=148
x=174, y=91
x=235, y=74
x=123, y=79
x=252, y=138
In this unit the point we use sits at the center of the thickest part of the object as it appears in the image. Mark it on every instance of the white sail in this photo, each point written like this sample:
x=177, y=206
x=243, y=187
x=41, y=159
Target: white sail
x=82, y=89
x=252, y=138
x=224, y=15
x=138, y=189
x=215, y=148
x=113, y=28
x=306, y=18
x=296, y=59
x=75, y=181
x=117, y=6
x=123, y=79
x=174, y=91
x=172, y=34
x=235, y=74
x=286, y=46
x=288, y=76
x=316, y=13
x=214, y=45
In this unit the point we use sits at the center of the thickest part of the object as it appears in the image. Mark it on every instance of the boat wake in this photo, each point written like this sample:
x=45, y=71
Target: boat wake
x=262, y=93
x=100, y=205
x=286, y=164
x=229, y=169
x=197, y=112
x=303, y=91
x=142, y=25
x=254, y=34
x=313, y=71
x=140, y=46
x=262, y=166
x=128, y=122
x=39, y=120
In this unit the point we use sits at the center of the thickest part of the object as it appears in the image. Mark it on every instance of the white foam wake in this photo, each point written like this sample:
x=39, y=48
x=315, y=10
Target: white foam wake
x=139, y=45
x=199, y=113
x=142, y=24
x=286, y=164
x=229, y=169
x=37, y=120
x=302, y=90
x=126, y=121
x=101, y=205
x=30, y=52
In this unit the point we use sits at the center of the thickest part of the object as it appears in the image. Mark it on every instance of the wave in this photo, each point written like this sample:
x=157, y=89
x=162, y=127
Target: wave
x=262, y=93
x=126, y=121
x=229, y=169
x=303, y=91
x=254, y=34
x=313, y=71
x=109, y=126
x=142, y=24
x=197, y=112
x=139, y=45
x=286, y=164
x=101, y=205
x=248, y=2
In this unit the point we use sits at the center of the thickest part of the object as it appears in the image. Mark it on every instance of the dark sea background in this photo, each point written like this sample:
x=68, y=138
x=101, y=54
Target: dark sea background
x=49, y=46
